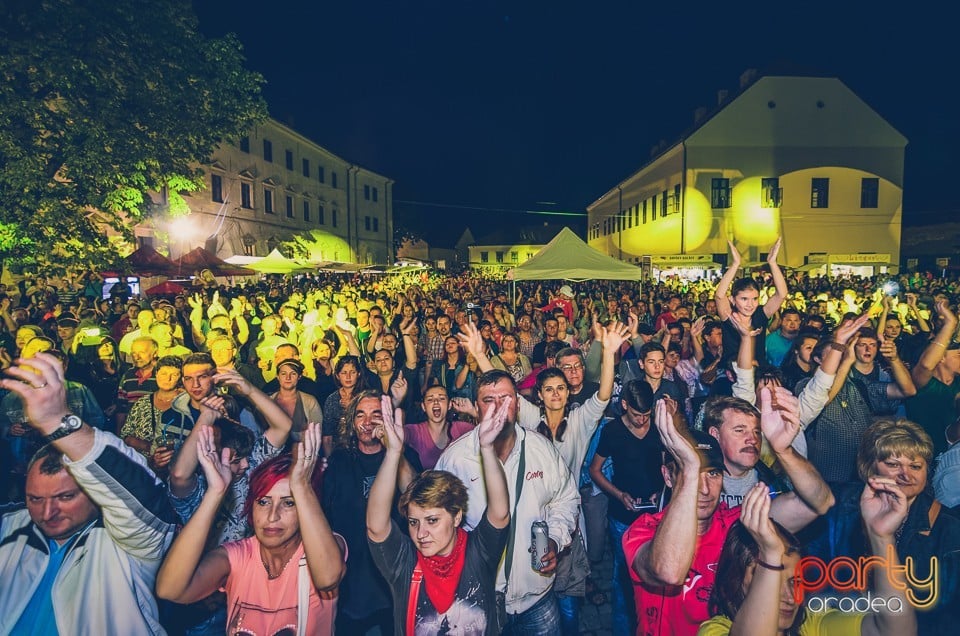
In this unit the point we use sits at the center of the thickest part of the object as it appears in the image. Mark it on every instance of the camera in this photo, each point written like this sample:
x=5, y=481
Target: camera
x=222, y=389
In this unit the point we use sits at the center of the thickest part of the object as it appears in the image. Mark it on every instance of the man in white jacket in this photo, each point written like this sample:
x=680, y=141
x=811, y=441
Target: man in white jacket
x=538, y=477
x=81, y=557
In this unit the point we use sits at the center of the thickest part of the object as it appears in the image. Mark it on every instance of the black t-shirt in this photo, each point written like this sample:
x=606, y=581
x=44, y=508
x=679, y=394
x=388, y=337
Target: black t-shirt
x=586, y=392
x=636, y=465
x=474, y=606
x=731, y=337
x=346, y=486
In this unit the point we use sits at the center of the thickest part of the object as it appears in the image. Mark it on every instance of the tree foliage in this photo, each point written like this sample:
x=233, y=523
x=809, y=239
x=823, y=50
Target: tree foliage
x=101, y=103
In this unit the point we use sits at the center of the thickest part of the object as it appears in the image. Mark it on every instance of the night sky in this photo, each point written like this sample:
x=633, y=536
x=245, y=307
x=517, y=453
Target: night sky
x=485, y=110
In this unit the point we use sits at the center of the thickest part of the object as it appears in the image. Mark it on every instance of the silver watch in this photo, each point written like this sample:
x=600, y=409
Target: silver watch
x=69, y=424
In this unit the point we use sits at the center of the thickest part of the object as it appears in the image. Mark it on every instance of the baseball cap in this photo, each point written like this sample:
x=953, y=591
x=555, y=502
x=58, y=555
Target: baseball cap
x=711, y=457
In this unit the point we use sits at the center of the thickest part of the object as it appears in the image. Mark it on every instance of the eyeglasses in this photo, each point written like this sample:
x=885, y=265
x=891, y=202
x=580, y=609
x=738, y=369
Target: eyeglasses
x=572, y=367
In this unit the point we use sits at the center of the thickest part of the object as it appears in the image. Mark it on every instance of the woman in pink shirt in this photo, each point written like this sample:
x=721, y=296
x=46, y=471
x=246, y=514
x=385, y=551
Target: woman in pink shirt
x=280, y=578
x=431, y=437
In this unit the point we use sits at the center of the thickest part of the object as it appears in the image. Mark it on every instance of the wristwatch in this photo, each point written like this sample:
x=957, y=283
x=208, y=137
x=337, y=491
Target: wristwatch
x=69, y=424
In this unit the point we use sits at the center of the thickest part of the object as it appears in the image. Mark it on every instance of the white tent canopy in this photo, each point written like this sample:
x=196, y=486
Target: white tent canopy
x=567, y=257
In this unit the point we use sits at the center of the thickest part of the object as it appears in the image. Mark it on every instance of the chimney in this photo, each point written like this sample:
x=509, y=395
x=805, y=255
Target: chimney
x=747, y=77
x=699, y=114
x=722, y=96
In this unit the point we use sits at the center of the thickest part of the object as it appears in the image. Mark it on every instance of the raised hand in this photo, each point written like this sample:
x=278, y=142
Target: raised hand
x=696, y=329
x=888, y=348
x=471, y=340
x=734, y=255
x=212, y=406
x=398, y=389
x=772, y=254
x=215, y=464
x=390, y=431
x=464, y=405
x=307, y=457
x=233, y=379
x=844, y=332
x=633, y=324
x=743, y=324
x=883, y=507
x=673, y=441
x=755, y=517
x=614, y=336
x=490, y=426
x=779, y=417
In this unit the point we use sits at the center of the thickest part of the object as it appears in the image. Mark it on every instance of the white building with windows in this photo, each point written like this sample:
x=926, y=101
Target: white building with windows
x=273, y=186
x=801, y=157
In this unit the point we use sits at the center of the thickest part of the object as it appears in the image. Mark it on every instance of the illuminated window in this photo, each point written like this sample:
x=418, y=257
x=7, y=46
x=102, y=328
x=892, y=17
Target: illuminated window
x=289, y=203
x=869, y=192
x=306, y=167
x=720, y=193
x=268, y=200
x=771, y=194
x=267, y=150
x=820, y=193
x=216, y=188
x=288, y=156
x=246, y=195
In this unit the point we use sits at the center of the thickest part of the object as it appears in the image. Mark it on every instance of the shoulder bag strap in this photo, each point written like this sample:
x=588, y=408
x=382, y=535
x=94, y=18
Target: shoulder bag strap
x=412, y=598
x=932, y=515
x=521, y=469
x=303, y=596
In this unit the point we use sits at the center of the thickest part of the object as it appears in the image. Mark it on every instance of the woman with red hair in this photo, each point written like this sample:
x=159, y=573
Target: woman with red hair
x=264, y=595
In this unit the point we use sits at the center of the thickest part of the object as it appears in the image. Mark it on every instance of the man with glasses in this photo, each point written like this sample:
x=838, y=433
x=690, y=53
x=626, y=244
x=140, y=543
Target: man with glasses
x=570, y=361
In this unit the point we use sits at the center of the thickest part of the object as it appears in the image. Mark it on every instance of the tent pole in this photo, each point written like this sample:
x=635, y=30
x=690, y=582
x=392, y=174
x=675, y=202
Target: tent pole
x=513, y=296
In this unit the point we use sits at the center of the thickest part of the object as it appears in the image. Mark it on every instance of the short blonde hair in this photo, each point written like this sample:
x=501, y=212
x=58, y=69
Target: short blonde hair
x=890, y=437
x=435, y=489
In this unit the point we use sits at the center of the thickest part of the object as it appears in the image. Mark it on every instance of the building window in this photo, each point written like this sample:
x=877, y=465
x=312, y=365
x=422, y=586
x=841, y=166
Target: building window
x=820, y=193
x=663, y=204
x=514, y=257
x=333, y=217
x=653, y=208
x=484, y=257
x=333, y=179
x=246, y=195
x=366, y=192
x=376, y=194
x=644, y=216
x=289, y=203
x=216, y=188
x=268, y=200
x=267, y=150
x=321, y=177
x=529, y=255
x=245, y=144
x=366, y=223
x=306, y=211
x=771, y=194
x=376, y=224
x=306, y=167
x=636, y=214
x=499, y=257
x=869, y=192
x=676, y=198
x=720, y=193
x=288, y=155
x=320, y=214
x=249, y=249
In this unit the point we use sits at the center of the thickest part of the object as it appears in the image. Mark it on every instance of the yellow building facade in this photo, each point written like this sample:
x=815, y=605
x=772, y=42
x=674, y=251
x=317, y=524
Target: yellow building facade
x=275, y=186
x=801, y=157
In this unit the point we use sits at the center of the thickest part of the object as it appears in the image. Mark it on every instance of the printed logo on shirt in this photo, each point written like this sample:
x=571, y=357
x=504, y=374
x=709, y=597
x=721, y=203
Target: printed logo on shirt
x=534, y=474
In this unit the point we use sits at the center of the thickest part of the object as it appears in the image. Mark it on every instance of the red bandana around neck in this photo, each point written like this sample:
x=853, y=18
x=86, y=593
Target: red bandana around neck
x=441, y=574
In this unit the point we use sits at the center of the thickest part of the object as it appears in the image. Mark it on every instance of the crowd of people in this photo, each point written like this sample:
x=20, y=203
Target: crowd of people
x=433, y=454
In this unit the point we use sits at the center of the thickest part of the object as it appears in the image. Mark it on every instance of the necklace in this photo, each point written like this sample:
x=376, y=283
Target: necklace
x=266, y=567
